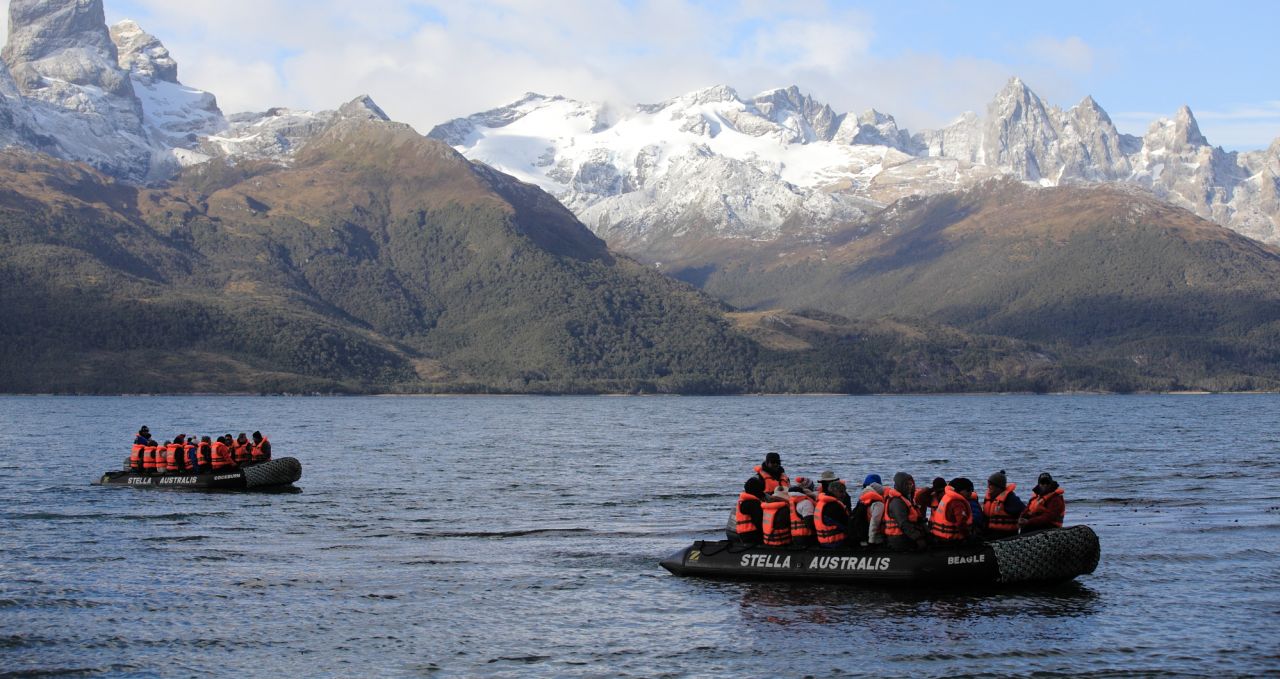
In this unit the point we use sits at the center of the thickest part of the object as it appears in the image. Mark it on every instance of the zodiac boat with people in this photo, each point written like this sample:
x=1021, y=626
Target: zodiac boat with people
x=1047, y=556
x=270, y=475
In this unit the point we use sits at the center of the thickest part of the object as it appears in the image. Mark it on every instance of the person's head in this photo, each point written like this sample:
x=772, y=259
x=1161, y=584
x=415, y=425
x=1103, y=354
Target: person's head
x=837, y=489
x=802, y=483
x=205, y=439
x=871, y=478
x=962, y=485
x=754, y=486
x=772, y=461
x=1044, y=479
x=825, y=478
x=257, y=437
x=939, y=484
x=905, y=483
x=151, y=442
x=998, y=481
x=242, y=437
x=780, y=493
x=168, y=442
x=143, y=431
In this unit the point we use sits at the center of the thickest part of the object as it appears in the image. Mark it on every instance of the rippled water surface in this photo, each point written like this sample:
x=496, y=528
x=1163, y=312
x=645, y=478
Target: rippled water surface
x=521, y=536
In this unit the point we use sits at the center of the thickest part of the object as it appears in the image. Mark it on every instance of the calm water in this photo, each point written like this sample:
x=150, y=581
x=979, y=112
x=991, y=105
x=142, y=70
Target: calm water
x=520, y=536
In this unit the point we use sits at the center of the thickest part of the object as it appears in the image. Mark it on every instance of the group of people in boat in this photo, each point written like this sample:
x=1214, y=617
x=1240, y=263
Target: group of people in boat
x=187, y=454
x=774, y=511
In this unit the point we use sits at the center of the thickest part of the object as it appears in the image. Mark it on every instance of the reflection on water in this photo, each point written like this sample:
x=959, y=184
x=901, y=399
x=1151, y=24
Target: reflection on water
x=520, y=536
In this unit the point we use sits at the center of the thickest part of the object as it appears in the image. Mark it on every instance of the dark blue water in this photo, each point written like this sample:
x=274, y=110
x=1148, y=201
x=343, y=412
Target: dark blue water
x=520, y=536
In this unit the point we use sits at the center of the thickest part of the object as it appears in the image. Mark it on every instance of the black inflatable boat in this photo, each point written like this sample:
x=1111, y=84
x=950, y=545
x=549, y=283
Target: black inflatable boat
x=1046, y=556
x=270, y=475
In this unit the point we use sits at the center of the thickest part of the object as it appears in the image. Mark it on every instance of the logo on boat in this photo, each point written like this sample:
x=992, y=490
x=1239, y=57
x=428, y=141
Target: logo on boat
x=695, y=555
x=139, y=482
x=850, y=563
x=224, y=477
x=973, y=558
x=177, y=479
x=766, y=560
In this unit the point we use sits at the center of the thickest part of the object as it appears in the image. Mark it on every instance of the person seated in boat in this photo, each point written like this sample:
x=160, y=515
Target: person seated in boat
x=825, y=480
x=748, y=513
x=1001, y=506
x=979, y=519
x=952, y=522
x=803, y=501
x=177, y=455
x=867, y=518
x=1047, y=506
x=772, y=473
x=261, y=448
x=222, y=459
x=831, y=516
x=189, y=450
x=150, y=463
x=140, y=439
x=775, y=523
x=904, y=520
x=204, y=455
x=927, y=499
x=242, y=450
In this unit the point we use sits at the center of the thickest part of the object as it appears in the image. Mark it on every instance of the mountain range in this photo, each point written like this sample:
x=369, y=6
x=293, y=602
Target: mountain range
x=657, y=181
x=151, y=243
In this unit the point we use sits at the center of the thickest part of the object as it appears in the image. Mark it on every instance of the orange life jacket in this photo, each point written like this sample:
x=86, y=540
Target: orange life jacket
x=204, y=455
x=827, y=533
x=745, y=523
x=177, y=458
x=945, y=528
x=799, y=527
x=135, y=457
x=162, y=459
x=1037, y=505
x=869, y=497
x=222, y=457
x=777, y=523
x=999, y=520
x=891, y=526
x=242, y=452
x=257, y=454
x=770, y=482
x=149, y=459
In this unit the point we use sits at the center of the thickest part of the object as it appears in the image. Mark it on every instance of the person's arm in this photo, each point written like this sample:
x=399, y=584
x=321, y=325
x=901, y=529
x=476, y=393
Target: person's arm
x=901, y=513
x=875, y=527
x=1013, y=505
x=753, y=509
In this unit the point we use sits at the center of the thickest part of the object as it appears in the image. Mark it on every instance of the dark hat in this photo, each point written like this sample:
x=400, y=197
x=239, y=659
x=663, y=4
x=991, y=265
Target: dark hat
x=144, y=430
x=837, y=487
x=939, y=483
x=1044, y=478
x=754, y=485
x=961, y=484
x=774, y=458
x=871, y=478
x=998, y=480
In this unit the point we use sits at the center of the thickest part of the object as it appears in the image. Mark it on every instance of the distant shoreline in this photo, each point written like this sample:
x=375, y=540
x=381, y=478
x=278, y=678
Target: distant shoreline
x=621, y=395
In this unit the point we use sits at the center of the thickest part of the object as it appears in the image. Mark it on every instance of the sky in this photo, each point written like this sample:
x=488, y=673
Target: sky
x=926, y=62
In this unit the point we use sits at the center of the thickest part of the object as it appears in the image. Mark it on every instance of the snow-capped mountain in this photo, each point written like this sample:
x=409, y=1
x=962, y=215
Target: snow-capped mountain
x=110, y=98
x=713, y=165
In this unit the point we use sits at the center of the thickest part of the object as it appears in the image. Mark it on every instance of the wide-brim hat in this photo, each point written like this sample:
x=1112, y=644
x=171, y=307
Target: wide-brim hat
x=781, y=493
x=828, y=476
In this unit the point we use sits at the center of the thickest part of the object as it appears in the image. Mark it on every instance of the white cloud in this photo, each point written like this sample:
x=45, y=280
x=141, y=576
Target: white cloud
x=1070, y=54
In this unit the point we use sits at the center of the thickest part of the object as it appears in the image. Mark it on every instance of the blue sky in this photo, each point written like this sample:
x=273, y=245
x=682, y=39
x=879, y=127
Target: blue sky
x=925, y=62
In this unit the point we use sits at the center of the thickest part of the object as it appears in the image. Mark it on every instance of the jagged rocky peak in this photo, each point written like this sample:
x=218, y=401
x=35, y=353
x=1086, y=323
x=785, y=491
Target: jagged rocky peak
x=790, y=107
x=142, y=54
x=362, y=108
x=62, y=40
x=1181, y=133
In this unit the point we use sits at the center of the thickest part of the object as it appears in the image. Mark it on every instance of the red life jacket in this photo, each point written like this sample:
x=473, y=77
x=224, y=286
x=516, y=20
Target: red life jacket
x=257, y=454
x=827, y=533
x=745, y=523
x=771, y=482
x=135, y=457
x=891, y=527
x=1038, y=503
x=799, y=527
x=777, y=523
x=222, y=457
x=999, y=520
x=946, y=528
x=149, y=459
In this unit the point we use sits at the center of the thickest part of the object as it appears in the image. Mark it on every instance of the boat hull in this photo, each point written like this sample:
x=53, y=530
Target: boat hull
x=1043, y=557
x=275, y=474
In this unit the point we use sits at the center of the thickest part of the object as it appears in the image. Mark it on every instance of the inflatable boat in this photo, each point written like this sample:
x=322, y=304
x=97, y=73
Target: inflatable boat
x=270, y=475
x=1048, y=556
